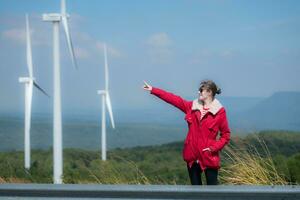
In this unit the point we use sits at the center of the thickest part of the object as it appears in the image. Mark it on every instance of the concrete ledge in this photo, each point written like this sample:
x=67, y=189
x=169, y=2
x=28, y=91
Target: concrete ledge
x=75, y=191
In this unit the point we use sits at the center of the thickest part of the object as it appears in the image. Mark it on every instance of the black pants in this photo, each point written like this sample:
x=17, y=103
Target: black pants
x=195, y=172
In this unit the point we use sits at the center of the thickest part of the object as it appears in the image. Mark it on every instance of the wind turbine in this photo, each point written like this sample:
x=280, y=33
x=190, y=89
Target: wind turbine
x=105, y=103
x=29, y=82
x=56, y=18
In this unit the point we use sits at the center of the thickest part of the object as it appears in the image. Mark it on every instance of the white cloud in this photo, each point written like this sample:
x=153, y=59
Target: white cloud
x=85, y=46
x=204, y=56
x=81, y=53
x=111, y=51
x=201, y=56
x=160, y=47
x=228, y=53
x=159, y=40
x=40, y=33
x=93, y=47
x=16, y=35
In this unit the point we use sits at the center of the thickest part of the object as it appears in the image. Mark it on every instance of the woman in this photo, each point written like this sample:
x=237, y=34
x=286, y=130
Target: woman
x=205, y=117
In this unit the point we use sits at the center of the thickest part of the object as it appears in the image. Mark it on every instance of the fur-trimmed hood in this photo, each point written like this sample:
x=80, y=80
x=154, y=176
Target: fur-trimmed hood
x=214, y=107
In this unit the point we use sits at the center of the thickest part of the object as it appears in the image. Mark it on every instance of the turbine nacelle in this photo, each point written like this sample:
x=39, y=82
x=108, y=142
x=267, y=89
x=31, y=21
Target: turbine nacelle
x=102, y=92
x=26, y=79
x=52, y=17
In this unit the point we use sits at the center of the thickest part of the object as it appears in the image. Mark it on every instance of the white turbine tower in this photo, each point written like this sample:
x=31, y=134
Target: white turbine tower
x=105, y=103
x=29, y=82
x=56, y=18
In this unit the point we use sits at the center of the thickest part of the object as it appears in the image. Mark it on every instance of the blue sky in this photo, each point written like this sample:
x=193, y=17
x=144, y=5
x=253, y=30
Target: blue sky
x=250, y=48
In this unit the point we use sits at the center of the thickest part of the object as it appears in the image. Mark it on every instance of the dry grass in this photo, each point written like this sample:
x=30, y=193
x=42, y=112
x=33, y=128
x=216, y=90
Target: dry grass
x=250, y=167
x=13, y=180
x=107, y=172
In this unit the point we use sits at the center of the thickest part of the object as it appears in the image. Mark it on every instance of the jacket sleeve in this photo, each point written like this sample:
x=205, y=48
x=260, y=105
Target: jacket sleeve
x=172, y=99
x=224, y=132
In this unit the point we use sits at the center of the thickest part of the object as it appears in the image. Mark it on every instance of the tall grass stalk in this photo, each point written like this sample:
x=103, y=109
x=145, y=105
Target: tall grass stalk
x=111, y=172
x=247, y=166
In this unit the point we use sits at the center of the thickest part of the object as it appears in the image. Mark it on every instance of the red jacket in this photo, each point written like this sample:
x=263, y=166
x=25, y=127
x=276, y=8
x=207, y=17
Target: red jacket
x=202, y=132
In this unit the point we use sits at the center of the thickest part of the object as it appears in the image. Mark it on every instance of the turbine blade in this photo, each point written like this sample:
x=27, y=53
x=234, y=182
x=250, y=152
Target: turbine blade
x=105, y=67
x=69, y=40
x=108, y=103
x=28, y=49
x=40, y=89
x=63, y=7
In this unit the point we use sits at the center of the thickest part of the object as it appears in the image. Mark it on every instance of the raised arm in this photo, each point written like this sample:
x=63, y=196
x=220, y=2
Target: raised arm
x=168, y=97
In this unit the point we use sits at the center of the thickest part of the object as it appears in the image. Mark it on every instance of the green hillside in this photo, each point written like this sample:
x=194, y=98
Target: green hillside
x=161, y=164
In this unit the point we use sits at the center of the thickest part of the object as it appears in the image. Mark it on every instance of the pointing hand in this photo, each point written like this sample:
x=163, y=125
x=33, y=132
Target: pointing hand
x=146, y=86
